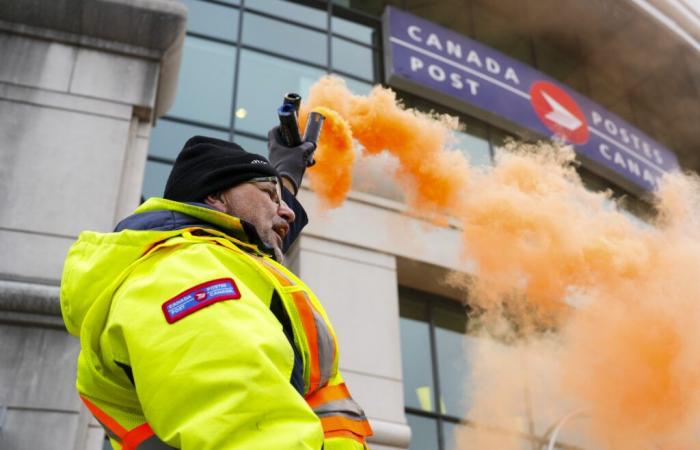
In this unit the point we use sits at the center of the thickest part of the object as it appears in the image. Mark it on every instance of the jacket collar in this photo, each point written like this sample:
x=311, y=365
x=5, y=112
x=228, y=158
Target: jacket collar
x=159, y=214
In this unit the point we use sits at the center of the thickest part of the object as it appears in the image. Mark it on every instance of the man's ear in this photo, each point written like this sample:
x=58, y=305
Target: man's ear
x=216, y=201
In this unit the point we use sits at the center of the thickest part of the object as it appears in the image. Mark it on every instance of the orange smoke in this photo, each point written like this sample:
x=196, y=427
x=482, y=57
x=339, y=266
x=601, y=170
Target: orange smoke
x=640, y=335
x=551, y=233
x=433, y=177
x=628, y=353
x=331, y=176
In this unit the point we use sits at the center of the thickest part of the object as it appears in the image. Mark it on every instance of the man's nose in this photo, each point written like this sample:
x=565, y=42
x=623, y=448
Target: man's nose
x=285, y=212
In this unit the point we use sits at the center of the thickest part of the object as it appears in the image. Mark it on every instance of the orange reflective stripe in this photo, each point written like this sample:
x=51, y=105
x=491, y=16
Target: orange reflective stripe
x=308, y=322
x=336, y=423
x=281, y=277
x=136, y=436
x=129, y=439
x=328, y=394
x=319, y=338
x=344, y=434
x=306, y=315
x=110, y=424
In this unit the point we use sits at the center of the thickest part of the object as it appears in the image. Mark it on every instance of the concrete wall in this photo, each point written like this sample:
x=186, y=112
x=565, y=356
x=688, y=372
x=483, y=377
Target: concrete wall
x=80, y=84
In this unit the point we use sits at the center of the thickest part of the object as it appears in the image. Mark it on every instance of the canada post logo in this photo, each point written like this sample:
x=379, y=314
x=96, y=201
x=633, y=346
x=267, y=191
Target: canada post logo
x=559, y=112
x=438, y=63
x=198, y=297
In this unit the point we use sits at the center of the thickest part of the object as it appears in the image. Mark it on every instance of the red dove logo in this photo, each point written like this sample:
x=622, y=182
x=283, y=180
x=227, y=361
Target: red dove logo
x=559, y=112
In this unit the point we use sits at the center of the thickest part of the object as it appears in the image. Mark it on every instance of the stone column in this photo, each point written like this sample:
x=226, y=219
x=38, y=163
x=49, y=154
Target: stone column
x=359, y=290
x=81, y=83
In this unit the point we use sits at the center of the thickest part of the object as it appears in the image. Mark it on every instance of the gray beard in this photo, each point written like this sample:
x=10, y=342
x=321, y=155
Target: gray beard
x=279, y=256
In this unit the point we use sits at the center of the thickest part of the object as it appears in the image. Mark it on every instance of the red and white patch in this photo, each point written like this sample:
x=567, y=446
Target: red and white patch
x=198, y=297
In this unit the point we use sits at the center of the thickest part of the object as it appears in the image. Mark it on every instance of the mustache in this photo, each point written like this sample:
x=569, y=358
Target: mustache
x=281, y=228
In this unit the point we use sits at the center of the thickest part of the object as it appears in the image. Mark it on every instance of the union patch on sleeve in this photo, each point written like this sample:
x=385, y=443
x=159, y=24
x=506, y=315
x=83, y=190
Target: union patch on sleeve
x=198, y=297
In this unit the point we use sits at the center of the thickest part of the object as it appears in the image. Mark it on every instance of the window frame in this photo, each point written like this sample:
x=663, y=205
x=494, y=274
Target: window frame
x=331, y=10
x=431, y=302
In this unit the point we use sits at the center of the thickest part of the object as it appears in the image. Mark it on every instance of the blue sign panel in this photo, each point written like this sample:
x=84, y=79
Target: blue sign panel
x=469, y=76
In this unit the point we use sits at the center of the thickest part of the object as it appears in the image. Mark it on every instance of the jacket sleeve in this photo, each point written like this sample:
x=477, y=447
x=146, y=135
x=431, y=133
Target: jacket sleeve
x=218, y=377
x=345, y=425
x=300, y=220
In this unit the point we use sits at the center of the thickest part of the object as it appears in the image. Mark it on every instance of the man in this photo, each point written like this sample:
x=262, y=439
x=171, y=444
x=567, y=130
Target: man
x=192, y=335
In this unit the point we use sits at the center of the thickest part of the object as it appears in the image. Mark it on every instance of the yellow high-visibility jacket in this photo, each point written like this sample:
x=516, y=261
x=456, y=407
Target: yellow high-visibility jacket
x=179, y=347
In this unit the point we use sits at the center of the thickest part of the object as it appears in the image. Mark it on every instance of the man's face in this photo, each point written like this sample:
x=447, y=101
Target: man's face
x=259, y=203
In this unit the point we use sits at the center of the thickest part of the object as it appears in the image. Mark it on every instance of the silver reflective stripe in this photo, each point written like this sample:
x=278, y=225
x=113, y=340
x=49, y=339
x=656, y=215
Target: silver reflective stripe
x=346, y=407
x=346, y=416
x=326, y=347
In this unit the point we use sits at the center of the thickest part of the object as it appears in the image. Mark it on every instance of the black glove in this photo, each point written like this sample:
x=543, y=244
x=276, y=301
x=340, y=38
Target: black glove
x=290, y=162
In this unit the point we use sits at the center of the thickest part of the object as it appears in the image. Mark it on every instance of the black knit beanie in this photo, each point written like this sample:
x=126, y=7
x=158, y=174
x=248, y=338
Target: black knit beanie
x=207, y=165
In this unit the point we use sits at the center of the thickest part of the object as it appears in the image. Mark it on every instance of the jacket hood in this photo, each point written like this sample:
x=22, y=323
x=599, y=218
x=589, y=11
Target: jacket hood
x=97, y=261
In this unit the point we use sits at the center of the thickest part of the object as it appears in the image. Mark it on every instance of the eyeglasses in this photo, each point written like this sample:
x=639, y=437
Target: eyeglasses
x=274, y=191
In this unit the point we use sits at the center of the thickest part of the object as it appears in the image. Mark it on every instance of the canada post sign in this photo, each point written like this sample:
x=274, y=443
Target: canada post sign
x=473, y=77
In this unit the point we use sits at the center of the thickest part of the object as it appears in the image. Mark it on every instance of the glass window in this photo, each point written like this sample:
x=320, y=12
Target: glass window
x=285, y=39
x=517, y=416
x=420, y=103
x=591, y=181
x=475, y=147
x=637, y=217
x=372, y=175
x=419, y=389
x=358, y=87
x=289, y=10
x=453, y=348
x=212, y=19
x=424, y=317
x=205, y=83
x=452, y=435
x=372, y=8
x=252, y=145
x=473, y=141
x=498, y=138
x=423, y=433
x=263, y=81
x=458, y=436
x=353, y=30
x=352, y=58
x=154, y=179
x=168, y=137
x=637, y=211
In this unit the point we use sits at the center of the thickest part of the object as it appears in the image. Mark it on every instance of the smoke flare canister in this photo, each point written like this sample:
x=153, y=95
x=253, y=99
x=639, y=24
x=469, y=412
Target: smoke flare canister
x=289, y=127
x=314, y=123
x=293, y=99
